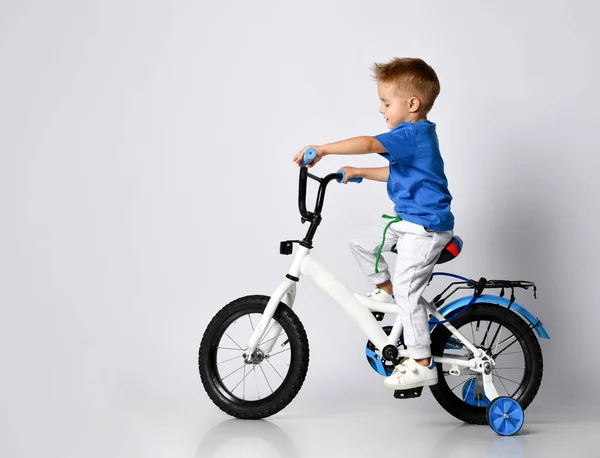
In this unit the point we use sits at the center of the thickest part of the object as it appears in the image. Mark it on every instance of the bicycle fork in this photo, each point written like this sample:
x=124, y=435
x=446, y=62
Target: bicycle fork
x=286, y=291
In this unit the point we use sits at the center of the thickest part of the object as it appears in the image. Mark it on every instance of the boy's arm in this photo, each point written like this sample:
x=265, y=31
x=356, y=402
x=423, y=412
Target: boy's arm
x=356, y=145
x=375, y=174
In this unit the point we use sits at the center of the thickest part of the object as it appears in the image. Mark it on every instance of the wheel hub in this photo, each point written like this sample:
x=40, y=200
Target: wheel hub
x=256, y=357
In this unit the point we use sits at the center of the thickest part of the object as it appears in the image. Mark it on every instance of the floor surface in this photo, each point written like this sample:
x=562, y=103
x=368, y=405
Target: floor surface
x=312, y=426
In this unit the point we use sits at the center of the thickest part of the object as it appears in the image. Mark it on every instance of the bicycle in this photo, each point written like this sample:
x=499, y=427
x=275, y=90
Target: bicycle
x=474, y=363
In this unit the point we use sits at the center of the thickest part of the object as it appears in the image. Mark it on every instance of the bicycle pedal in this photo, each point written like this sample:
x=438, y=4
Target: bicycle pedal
x=407, y=394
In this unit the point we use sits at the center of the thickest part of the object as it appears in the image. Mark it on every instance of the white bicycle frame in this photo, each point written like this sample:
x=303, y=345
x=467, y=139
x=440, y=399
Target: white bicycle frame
x=305, y=265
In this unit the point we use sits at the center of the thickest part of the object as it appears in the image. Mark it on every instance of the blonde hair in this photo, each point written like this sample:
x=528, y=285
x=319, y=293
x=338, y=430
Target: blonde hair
x=412, y=75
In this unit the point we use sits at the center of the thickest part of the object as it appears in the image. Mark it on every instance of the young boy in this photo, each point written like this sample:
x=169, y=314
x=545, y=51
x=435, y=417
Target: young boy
x=418, y=187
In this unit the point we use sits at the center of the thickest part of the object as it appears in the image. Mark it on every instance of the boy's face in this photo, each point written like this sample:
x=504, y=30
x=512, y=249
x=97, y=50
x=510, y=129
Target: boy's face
x=396, y=105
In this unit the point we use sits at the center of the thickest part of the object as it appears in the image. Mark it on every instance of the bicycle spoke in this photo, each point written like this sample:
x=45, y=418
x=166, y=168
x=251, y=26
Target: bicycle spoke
x=498, y=339
x=238, y=384
x=272, y=338
x=233, y=372
x=263, y=372
x=227, y=360
x=472, y=333
x=250, y=318
x=508, y=368
x=234, y=342
x=227, y=348
x=510, y=353
x=273, y=354
x=505, y=348
x=510, y=380
x=461, y=383
x=256, y=380
x=504, y=386
x=274, y=369
x=486, y=334
x=267, y=333
x=507, y=339
x=498, y=329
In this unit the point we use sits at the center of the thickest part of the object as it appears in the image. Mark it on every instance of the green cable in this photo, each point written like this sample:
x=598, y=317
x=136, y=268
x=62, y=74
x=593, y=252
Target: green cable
x=394, y=219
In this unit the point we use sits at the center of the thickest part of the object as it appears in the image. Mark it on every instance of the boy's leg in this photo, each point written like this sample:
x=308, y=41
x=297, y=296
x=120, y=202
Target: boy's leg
x=364, y=247
x=418, y=251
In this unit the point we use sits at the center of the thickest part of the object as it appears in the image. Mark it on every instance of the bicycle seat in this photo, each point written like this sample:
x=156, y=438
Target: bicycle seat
x=450, y=251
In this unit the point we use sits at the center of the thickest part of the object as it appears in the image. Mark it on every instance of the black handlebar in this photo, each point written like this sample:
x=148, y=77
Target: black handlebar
x=323, y=182
x=314, y=217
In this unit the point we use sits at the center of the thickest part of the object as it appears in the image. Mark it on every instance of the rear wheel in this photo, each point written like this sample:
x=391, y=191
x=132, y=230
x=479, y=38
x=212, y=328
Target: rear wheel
x=263, y=387
x=508, y=340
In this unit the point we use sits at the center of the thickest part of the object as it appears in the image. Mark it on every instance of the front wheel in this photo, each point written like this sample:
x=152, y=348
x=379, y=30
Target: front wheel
x=264, y=386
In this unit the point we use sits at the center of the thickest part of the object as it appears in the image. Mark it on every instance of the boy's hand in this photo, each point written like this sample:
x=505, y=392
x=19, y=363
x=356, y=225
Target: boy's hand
x=351, y=172
x=300, y=155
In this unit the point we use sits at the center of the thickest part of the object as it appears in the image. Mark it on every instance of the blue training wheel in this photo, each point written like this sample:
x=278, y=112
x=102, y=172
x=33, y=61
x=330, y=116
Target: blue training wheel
x=505, y=416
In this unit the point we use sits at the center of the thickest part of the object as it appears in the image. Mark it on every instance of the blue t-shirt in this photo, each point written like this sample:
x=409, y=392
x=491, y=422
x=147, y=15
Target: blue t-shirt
x=417, y=184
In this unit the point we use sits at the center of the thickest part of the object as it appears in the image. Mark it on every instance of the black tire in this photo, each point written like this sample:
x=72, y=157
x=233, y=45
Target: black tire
x=532, y=358
x=291, y=384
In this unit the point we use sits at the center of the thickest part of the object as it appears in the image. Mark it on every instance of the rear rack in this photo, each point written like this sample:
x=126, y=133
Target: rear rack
x=480, y=285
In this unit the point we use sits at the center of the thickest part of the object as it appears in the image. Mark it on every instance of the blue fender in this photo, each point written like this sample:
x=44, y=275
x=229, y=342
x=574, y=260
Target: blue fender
x=490, y=299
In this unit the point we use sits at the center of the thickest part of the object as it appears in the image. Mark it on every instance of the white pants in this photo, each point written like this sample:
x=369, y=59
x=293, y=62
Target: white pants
x=418, y=251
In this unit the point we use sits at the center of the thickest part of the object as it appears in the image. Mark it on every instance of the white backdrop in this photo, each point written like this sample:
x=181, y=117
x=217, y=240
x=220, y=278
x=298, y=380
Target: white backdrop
x=146, y=179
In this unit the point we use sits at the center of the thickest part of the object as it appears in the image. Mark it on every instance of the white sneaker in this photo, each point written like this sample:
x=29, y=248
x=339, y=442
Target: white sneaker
x=410, y=374
x=379, y=295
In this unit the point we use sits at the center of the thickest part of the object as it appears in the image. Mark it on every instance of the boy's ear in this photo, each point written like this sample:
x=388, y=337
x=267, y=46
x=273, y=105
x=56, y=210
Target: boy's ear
x=414, y=104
